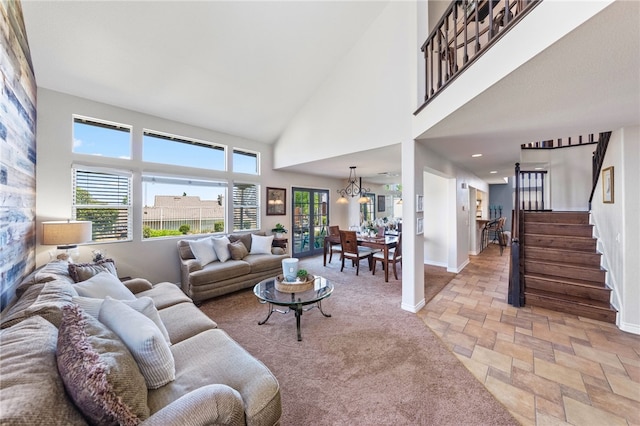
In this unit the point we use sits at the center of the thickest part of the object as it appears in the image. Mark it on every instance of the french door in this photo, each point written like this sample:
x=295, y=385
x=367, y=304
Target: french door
x=310, y=218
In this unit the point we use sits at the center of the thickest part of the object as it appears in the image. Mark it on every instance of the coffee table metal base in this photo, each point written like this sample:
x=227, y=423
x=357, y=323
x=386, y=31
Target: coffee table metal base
x=298, y=309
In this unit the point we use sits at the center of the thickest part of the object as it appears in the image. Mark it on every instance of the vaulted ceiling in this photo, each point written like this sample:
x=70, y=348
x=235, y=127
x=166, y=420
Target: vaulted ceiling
x=245, y=68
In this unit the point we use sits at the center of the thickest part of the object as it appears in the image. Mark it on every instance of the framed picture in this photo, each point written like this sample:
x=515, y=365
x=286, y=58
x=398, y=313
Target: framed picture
x=419, y=203
x=419, y=226
x=276, y=201
x=607, y=185
x=382, y=205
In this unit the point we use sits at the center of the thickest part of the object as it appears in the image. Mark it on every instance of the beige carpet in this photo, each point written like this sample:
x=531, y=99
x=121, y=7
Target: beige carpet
x=371, y=363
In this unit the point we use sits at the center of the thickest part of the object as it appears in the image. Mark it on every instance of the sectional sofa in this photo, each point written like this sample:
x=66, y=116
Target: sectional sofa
x=102, y=351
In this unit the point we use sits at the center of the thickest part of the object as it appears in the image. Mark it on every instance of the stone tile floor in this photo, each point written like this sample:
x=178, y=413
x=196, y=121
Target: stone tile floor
x=546, y=367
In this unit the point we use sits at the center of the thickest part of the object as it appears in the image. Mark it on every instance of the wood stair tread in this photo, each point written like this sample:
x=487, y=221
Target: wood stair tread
x=565, y=264
x=596, y=304
x=565, y=250
x=572, y=281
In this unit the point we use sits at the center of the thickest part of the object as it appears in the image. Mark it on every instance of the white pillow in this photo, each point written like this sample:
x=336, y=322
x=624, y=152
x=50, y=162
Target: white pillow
x=144, y=340
x=102, y=285
x=203, y=250
x=222, y=251
x=260, y=244
x=143, y=304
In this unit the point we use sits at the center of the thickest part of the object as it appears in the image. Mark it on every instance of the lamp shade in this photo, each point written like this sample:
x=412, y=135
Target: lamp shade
x=66, y=234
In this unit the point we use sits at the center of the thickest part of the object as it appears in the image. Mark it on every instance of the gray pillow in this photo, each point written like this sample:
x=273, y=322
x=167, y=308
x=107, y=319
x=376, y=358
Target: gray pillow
x=84, y=271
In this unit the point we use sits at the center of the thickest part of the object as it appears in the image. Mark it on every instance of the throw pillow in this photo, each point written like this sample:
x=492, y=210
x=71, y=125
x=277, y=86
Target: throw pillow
x=238, y=250
x=220, y=244
x=245, y=238
x=143, y=304
x=98, y=371
x=261, y=245
x=143, y=339
x=203, y=250
x=102, y=285
x=84, y=271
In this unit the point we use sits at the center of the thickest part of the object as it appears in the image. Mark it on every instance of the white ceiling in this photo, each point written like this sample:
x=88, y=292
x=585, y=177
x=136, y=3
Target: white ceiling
x=245, y=68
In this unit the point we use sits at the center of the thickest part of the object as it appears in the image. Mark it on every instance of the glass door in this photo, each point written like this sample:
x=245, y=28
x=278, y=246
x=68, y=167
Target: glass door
x=310, y=218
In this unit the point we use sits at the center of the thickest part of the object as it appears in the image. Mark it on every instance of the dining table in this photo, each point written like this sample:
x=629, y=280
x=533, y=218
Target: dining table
x=383, y=243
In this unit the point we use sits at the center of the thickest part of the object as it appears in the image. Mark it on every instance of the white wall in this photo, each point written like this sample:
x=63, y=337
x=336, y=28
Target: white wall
x=568, y=181
x=157, y=259
x=570, y=177
x=617, y=226
x=436, y=222
x=459, y=182
x=366, y=102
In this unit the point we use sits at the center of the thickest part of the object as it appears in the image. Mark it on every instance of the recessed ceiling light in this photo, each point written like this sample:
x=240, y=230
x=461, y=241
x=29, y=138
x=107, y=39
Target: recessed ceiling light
x=476, y=155
x=493, y=171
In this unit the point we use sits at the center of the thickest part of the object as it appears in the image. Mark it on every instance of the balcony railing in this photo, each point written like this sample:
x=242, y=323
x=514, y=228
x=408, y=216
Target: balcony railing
x=466, y=30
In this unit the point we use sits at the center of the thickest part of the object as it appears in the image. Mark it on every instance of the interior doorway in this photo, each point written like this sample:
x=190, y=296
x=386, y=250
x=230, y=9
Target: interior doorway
x=310, y=216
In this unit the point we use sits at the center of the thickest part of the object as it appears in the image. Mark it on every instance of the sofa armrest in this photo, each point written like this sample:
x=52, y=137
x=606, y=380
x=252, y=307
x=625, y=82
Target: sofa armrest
x=212, y=404
x=191, y=265
x=136, y=285
x=277, y=250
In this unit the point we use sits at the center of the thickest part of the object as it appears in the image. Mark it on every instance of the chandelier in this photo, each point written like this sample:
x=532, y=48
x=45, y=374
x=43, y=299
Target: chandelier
x=353, y=189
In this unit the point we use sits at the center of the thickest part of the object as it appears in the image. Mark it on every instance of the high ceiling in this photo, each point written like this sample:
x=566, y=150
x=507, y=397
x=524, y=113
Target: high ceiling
x=245, y=68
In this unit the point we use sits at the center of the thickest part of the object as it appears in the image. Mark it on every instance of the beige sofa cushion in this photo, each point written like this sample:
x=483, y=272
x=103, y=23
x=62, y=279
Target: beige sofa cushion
x=216, y=271
x=31, y=390
x=98, y=371
x=45, y=300
x=214, y=357
x=264, y=262
x=54, y=270
x=174, y=319
x=164, y=295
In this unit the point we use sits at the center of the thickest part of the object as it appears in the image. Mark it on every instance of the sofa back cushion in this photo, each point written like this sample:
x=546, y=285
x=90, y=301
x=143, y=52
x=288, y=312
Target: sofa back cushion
x=31, y=390
x=184, y=250
x=98, y=371
x=45, y=300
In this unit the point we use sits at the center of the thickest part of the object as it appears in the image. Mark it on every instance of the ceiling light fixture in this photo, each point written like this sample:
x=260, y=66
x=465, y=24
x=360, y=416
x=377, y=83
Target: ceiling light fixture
x=353, y=189
x=493, y=172
x=476, y=155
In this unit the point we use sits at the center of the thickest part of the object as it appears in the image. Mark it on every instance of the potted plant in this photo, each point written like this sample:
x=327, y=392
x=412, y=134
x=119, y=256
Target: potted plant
x=279, y=229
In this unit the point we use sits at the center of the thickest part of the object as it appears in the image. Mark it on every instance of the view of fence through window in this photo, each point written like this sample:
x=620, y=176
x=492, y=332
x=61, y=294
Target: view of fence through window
x=171, y=205
x=175, y=206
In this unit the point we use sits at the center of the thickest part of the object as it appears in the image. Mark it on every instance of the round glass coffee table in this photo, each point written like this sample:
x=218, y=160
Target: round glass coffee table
x=266, y=292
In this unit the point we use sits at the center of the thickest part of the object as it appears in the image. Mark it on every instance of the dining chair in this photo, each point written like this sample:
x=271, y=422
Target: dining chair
x=334, y=231
x=351, y=250
x=393, y=256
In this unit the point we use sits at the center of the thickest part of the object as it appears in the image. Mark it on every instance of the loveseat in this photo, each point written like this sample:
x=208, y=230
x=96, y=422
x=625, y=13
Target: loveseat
x=214, y=266
x=159, y=361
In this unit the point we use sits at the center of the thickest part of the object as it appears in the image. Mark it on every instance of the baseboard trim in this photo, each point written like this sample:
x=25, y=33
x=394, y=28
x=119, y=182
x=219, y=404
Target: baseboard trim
x=459, y=268
x=413, y=309
x=440, y=264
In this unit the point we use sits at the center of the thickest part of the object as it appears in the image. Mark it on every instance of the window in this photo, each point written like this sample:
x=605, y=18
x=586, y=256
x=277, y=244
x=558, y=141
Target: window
x=245, y=162
x=104, y=198
x=246, y=206
x=367, y=210
x=93, y=137
x=177, y=206
x=167, y=149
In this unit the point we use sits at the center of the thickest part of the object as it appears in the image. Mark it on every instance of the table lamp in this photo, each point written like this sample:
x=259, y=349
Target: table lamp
x=66, y=235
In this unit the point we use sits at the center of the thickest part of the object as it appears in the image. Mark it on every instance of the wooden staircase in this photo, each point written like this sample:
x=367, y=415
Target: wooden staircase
x=562, y=266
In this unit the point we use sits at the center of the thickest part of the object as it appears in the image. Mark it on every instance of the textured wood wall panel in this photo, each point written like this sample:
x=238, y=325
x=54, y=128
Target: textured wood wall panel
x=17, y=151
